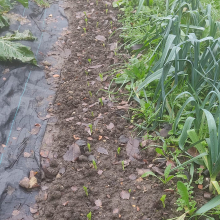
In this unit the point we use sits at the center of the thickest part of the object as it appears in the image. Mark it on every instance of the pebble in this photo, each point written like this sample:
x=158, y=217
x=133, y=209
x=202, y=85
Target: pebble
x=123, y=139
x=81, y=143
x=83, y=158
x=91, y=158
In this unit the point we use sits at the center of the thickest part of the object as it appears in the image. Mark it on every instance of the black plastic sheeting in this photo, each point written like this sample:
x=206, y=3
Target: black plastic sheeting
x=24, y=93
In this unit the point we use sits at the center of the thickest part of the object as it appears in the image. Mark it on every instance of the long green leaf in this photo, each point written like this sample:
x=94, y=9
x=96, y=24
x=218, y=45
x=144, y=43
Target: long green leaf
x=23, y=2
x=209, y=205
x=182, y=189
x=4, y=22
x=26, y=35
x=141, y=2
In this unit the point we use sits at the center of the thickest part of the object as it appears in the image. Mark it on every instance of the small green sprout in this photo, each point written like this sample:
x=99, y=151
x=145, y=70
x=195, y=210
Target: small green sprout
x=100, y=100
x=89, y=60
x=90, y=93
x=86, y=72
x=129, y=190
x=89, y=216
x=94, y=164
x=85, y=13
x=162, y=199
x=92, y=113
x=89, y=146
x=111, y=24
x=115, y=53
x=87, y=83
x=84, y=30
x=86, y=20
x=97, y=24
x=123, y=164
x=90, y=126
x=86, y=190
x=103, y=45
x=106, y=11
x=118, y=150
x=106, y=5
x=101, y=76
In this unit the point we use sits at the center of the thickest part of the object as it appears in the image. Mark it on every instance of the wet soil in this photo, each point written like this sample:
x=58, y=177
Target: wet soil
x=67, y=163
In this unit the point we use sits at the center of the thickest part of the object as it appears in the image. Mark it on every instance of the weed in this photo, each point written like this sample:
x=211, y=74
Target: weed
x=92, y=113
x=106, y=11
x=90, y=93
x=84, y=30
x=123, y=164
x=94, y=164
x=129, y=190
x=118, y=150
x=185, y=202
x=162, y=199
x=90, y=126
x=97, y=24
x=100, y=101
x=89, y=216
x=111, y=24
x=86, y=190
x=42, y=3
x=101, y=76
x=89, y=147
x=86, y=20
x=88, y=84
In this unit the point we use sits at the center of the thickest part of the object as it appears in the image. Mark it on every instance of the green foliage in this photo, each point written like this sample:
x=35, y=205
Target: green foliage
x=90, y=126
x=89, y=215
x=162, y=199
x=94, y=164
x=86, y=190
x=42, y=3
x=123, y=164
x=89, y=146
x=185, y=202
x=118, y=150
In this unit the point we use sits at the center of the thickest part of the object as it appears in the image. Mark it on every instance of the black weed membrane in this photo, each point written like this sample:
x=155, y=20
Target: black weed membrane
x=25, y=95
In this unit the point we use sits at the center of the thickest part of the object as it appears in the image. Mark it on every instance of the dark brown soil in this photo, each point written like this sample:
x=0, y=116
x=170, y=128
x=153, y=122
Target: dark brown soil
x=77, y=105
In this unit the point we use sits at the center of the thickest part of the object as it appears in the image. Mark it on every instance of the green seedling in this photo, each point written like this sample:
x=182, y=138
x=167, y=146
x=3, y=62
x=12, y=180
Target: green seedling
x=111, y=24
x=162, y=199
x=166, y=179
x=118, y=150
x=89, y=60
x=100, y=101
x=123, y=164
x=84, y=30
x=87, y=83
x=92, y=113
x=85, y=13
x=106, y=11
x=86, y=20
x=90, y=126
x=185, y=202
x=94, y=164
x=106, y=5
x=129, y=190
x=101, y=76
x=103, y=45
x=89, y=146
x=86, y=72
x=90, y=93
x=86, y=190
x=89, y=216
x=97, y=2
x=97, y=24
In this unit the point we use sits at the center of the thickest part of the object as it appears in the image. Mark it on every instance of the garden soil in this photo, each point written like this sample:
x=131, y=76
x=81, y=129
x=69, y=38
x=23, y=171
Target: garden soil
x=88, y=116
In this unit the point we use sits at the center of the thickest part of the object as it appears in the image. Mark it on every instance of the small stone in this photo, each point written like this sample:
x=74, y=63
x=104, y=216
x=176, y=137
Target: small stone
x=81, y=143
x=70, y=92
x=58, y=176
x=91, y=158
x=123, y=139
x=83, y=158
x=25, y=183
x=207, y=195
x=132, y=177
x=62, y=170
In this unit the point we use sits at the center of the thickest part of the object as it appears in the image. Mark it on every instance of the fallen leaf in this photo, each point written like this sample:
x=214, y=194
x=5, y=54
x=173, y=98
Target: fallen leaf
x=100, y=172
x=193, y=151
x=89, y=138
x=157, y=170
x=25, y=183
x=115, y=211
x=132, y=177
x=79, y=15
x=26, y=154
x=100, y=38
x=125, y=195
x=56, y=76
x=75, y=137
x=65, y=203
x=110, y=126
x=200, y=186
x=100, y=138
x=88, y=130
x=36, y=129
x=44, y=153
x=132, y=148
x=69, y=119
x=74, y=188
x=142, y=171
x=95, y=67
x=102, y=150
x=33, y=182
x=98, y=202
x=15, y=212
x=73, y=153
x=169, y=190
